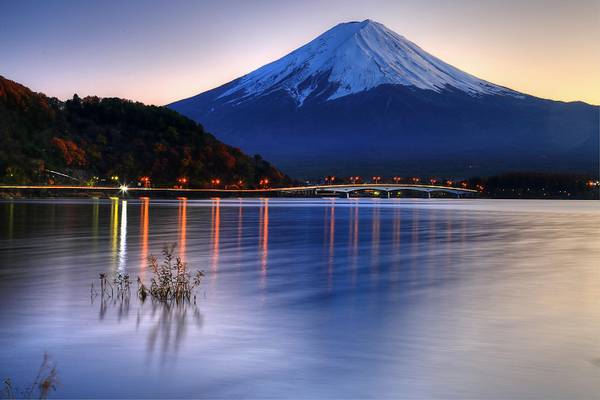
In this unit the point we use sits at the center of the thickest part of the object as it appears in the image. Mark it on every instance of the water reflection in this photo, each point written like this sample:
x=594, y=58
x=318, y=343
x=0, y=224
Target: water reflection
x=330, y=255
x=414, y=244
x=95, y=221
x=114, y=229
x=215, y=232
x=469, y=301
x=11, y=220
x=144, y=226
x=182, y=225
x=353, y=240
x=396, y=242
x=123, y=238
x=375, y=231
x=167, y=325
x=263, y=240
x=240, y=225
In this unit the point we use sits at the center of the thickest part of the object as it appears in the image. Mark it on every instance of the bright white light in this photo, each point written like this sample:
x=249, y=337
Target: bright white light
x=123, y=188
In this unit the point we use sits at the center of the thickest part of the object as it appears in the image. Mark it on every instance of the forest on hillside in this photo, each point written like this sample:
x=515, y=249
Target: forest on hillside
x=92, y=139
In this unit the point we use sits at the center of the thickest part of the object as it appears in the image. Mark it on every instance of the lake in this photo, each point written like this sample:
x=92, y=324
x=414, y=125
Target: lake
x=307, y=298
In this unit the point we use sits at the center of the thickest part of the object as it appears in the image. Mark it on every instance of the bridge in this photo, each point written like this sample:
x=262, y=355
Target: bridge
x=389, y=188
x=343, y=189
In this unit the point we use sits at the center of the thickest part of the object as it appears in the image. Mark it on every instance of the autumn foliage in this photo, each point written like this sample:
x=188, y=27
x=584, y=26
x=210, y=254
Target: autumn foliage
x=72, y=154
x=104, y=137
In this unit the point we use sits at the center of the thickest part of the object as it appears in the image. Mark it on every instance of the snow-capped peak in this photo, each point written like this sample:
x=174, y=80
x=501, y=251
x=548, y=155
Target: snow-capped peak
x=354, y=57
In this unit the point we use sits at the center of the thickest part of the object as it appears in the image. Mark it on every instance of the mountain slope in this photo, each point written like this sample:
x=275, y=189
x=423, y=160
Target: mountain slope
x=361, y=99
x=357, y=56
x=105, y=137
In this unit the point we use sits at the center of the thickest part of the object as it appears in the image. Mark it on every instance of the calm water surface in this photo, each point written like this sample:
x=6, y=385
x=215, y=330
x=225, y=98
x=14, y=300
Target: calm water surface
x=321, y=298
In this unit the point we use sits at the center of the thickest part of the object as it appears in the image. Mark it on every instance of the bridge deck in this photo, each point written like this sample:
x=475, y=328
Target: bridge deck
x=323, y=188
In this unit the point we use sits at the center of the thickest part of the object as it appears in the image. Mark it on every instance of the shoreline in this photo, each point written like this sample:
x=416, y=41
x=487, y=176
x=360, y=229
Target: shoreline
x=8, y=195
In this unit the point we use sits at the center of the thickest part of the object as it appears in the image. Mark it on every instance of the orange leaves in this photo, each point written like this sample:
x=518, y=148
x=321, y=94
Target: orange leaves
x=72, y=154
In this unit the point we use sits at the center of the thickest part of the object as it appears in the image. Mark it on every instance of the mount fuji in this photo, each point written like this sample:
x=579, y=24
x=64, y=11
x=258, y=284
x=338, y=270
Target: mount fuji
x=361, y=99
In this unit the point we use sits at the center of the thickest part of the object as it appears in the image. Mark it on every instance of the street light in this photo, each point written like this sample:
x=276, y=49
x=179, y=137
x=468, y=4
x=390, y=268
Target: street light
x=145, y=181
x=264, y=182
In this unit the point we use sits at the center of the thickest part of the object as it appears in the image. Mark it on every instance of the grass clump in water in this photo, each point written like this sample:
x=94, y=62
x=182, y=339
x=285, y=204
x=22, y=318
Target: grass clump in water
x=171, y=280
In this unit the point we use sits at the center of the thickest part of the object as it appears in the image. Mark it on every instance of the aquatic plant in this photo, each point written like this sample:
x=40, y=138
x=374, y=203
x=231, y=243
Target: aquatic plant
x=45, y=381
x=171, y=279
x=121, y=283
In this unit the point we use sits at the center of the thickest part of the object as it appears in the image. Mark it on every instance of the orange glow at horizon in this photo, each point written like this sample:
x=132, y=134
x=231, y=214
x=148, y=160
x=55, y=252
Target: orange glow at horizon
x=545, y=48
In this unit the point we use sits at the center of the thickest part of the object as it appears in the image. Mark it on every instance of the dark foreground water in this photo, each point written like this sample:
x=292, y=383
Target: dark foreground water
x=322, y=298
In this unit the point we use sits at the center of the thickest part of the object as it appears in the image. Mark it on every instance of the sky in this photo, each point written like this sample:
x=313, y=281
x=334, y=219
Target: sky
x=161, y=51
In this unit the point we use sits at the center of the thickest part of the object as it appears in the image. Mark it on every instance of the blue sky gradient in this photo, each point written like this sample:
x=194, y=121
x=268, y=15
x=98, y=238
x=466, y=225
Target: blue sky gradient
x=161, y=51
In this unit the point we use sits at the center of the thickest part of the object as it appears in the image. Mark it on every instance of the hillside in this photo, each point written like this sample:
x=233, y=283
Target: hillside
x=104, y=137
x=361, y=99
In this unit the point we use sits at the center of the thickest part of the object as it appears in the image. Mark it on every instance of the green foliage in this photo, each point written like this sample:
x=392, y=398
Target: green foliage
x=109, y=136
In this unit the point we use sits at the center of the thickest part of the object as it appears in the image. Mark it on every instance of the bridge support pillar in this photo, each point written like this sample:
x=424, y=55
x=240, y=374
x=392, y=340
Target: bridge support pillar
x=347, y=195
x=389, y=194
x=428, y=195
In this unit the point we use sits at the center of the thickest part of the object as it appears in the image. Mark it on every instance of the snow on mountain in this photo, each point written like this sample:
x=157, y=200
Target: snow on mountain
x=355, y=57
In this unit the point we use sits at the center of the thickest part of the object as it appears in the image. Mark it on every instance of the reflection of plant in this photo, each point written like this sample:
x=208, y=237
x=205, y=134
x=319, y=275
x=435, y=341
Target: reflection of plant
x=172, y=306
x=169, y=322
x=171, y=280
x=45, y=380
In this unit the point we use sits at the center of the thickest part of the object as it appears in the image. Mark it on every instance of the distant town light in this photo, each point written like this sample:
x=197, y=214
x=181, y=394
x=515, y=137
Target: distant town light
x=123, y=188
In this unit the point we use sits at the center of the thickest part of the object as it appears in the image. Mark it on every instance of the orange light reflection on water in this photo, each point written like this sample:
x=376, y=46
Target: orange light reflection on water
x=182, y=225
x=144, y=214
x=215, y=231
x=114, y=230
x=264, y=240
x=331, y=246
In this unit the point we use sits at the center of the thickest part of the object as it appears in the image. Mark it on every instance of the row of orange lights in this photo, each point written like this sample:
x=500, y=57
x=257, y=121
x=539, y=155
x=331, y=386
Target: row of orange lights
x=398, y=179
x=145, y=180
